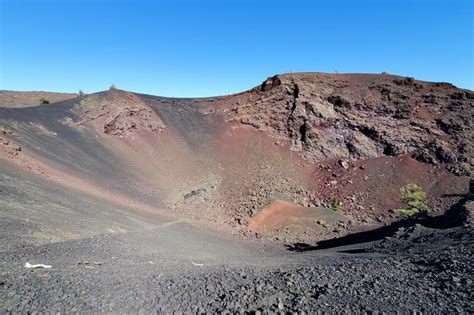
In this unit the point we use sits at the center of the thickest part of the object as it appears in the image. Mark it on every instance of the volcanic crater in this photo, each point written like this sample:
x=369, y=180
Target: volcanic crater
x=302, y=138
x=265, y=164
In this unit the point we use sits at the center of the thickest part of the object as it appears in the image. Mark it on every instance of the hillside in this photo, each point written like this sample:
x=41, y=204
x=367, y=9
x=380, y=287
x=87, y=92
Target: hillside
x=15, y=99
x=304, y=138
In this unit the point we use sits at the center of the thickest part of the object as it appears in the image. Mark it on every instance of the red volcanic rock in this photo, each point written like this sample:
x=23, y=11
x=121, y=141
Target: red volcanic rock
x=363, y=116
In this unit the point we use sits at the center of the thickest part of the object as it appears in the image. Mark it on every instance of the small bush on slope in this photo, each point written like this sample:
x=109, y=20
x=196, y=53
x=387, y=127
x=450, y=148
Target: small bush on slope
x=336, y=205
x=43, y=100
x=414, y=197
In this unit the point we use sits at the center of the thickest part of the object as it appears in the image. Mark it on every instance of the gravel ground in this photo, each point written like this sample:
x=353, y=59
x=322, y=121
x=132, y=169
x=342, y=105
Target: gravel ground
x=418, y=269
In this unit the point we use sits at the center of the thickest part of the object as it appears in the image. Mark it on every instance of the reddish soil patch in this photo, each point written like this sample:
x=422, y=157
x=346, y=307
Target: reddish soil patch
x=290, y=222
x=277, y=215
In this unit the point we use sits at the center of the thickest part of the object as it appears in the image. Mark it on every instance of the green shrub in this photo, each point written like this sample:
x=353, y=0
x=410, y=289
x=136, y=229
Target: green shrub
x=385, y=72
x=43, y=100
x=336, y=205
x=81, y=93
x=112, y=87
x=414, y=198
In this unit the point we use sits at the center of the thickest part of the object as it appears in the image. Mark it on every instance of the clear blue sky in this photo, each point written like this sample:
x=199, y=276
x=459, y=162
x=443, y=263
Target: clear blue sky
x=203, y=48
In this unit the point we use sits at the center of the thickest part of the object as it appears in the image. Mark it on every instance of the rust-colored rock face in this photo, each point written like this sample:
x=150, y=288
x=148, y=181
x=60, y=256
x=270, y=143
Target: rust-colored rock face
x=364, y=116
x=305, y=138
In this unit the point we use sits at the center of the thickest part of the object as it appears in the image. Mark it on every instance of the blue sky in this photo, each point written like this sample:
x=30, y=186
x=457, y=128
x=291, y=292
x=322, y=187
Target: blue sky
x=204, y=48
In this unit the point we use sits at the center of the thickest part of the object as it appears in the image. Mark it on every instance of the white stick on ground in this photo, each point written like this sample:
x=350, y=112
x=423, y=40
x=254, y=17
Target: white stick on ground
x=29, y=266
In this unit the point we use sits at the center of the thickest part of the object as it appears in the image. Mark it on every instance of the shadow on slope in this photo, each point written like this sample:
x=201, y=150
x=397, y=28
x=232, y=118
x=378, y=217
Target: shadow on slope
x=457, y=215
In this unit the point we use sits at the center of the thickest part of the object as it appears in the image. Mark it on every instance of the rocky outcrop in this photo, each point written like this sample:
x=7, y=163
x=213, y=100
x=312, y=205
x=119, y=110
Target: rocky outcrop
x=362, y=116
x=116, y=113
x=129, y=120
